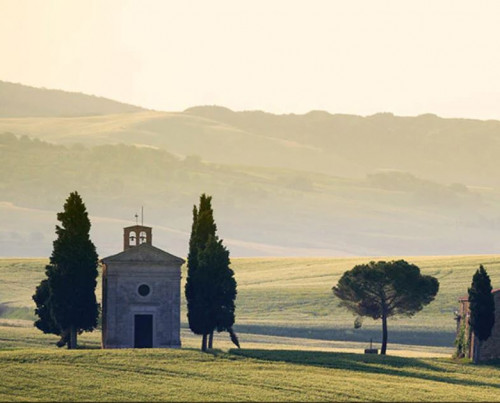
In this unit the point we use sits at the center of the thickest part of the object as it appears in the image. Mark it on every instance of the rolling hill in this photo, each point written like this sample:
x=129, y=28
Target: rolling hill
x=18, y=100
x=260, y=211
x=283, y=185
x=445, y=150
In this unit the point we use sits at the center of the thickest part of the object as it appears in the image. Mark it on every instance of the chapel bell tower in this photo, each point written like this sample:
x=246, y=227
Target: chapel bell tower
x=137, y=235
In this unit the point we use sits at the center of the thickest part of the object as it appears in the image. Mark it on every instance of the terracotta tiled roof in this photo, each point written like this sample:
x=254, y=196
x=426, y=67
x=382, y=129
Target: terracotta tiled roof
x=466, y=298
x=144, y=253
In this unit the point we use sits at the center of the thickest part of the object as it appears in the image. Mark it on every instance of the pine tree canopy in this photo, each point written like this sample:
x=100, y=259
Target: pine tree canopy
x=383, y=289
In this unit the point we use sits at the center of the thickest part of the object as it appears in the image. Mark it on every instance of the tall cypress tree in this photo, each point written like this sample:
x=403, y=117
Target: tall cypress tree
x=482, y=309
x=210, y=285
x=205, y=224
x=196, y=283
x=66, y=301
x=193, y=247
x=214, y=262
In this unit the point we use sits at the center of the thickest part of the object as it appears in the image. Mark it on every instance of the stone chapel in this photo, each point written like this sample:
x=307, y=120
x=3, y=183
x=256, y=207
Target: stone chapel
x=488, y=349
x=141, y=294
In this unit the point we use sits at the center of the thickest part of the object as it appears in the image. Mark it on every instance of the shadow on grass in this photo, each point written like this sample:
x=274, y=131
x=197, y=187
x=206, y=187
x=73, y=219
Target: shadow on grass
x=396, y=335
x=373, y=364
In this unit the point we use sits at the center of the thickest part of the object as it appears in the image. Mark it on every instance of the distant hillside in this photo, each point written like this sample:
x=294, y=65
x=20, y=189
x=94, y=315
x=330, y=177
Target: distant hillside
x=18, y=100
x=259, y=211
x=449, y=150
x=283, y=185
x=443, y=150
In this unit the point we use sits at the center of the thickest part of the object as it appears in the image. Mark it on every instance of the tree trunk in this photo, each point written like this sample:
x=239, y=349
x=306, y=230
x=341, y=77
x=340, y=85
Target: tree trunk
x=64, y=340
x=204, y=343
x=72, y=338
x=476, y=350
x=384, y=335
x=211, y=340
x=469, y=353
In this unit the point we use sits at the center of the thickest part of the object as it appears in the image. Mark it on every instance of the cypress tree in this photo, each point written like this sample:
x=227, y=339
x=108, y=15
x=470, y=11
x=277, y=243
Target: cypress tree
x=202, y=315
x=66, y=301
x=214, y=262
x=196, y=283
x=482, y=309
x=193, y=247
x=205, y=224
x=210, y=284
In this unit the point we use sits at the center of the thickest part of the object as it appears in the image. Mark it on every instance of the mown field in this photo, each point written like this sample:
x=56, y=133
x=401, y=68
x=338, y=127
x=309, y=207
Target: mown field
x=291, y=297
x=291, y=333
x=41, y=373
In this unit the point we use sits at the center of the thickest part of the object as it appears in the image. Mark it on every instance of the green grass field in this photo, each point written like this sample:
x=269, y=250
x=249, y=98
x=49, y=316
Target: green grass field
x=298, y=345
x=267, y=369
x=291, y=297
x=247, y=374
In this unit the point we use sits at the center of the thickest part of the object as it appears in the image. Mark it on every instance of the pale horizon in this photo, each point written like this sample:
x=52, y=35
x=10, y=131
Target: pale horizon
x=361, y=58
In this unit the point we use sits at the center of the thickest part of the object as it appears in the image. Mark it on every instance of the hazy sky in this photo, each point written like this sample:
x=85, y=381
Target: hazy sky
x=362, y=57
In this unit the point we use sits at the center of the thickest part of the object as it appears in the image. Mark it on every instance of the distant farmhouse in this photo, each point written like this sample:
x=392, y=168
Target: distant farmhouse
x=141, y=294
x=489, y=349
